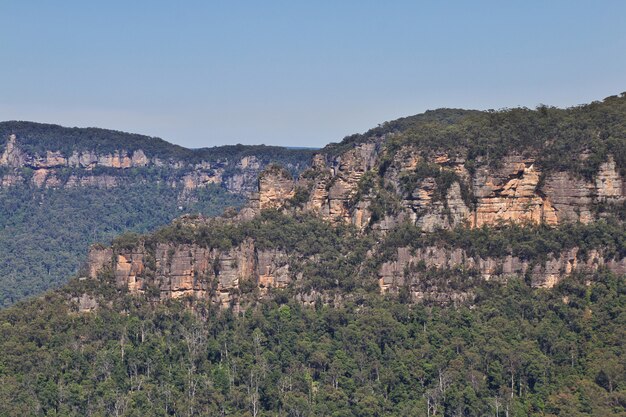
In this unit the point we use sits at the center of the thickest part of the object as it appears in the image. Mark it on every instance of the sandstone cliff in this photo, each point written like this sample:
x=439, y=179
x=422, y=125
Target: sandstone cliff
x=172, y=271
x=246, y=272
x=85, y=167
x=410, y=267
x=516, y=190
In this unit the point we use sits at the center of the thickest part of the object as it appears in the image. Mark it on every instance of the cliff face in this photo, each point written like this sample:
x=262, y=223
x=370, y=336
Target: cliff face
x=515, y=190
x=76, y=186
x=235, y=277
x=408, y=269
x=82, y=168
x=190, y=271
x=276, y=188
x=15, y=157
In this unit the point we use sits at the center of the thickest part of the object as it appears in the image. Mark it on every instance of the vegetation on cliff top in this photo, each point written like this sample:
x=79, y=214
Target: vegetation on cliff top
x=329, y=256
x=527, y=241
x=556, y=137
x=45, y=233
x=508, y=350
x=340, y=258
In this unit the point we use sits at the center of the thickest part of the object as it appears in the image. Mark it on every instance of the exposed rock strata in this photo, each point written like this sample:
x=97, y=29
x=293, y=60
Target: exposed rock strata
x=516, y=190
x=50, y=169
x=276, y=187
x=223, y=276
x=407, y=268
x=190, y=271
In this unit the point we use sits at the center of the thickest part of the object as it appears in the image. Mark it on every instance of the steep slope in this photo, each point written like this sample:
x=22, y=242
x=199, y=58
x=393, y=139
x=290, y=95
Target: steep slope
x=236, y=262
x=549, y=166
x=62, y=189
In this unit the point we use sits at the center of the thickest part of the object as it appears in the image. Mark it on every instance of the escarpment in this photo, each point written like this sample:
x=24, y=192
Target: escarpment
x=278, y=242
x=193, y=271
x=94, y=159
x=444, y=169
x=411, y=265
x=77, y=186
x=424, y=209
x=233, y=262
x=440, y=192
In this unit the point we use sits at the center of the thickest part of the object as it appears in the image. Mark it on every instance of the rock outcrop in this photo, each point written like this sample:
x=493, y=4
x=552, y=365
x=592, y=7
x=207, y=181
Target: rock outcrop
x=515, y=190
x=609, y=184
x=375, y=189
x=410, y=267
x=333, y=184
x=193, y=272
x=510, y=193
x=276, y=188
x=12, y=156
x=55, y=169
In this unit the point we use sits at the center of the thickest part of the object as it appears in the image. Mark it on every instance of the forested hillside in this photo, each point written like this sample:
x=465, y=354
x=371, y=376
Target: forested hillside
x=556, y=137
x=39, y=138
x=44, y=234
x=62, y=189
x=137, y=338
x=512, y=351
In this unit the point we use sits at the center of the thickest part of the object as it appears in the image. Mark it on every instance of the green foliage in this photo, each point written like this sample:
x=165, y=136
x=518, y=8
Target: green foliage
x=515, y=351
x=529, y=242
x=442, y=117
x=382, y=199
x=329, y=256
x=519, y=351
x=45, y=233
x=557, y=137
x=444, y=178
x=301, y=196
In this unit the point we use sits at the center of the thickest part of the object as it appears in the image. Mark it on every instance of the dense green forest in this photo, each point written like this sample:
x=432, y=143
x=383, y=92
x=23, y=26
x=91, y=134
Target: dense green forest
x=514, y=352
x=45, y=233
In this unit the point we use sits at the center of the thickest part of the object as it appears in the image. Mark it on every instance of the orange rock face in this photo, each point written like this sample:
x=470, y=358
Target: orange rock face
x=193, y=272
x=514, y=191
x=276, y=187
x=511, y=194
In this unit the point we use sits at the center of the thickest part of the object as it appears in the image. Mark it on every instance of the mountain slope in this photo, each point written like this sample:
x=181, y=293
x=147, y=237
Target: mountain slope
x=547, y=165
x=62, y=189
x=421, y=222
x=516, y=350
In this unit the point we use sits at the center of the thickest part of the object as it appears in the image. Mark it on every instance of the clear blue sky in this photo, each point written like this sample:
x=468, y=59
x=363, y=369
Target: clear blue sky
x=203, y=73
